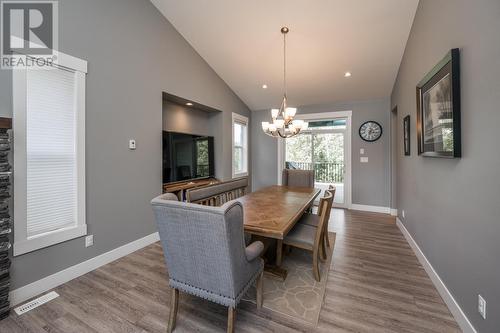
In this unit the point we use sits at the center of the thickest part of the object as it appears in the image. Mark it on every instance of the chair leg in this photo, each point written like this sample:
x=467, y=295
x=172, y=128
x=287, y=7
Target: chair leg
x=174, y=305
x=260, y=287
x=231, y=316
x=316, y=266
x=327, y=238
x=323, y=248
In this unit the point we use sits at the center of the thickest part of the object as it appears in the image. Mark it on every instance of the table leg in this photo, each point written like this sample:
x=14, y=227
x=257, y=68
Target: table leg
x=271, y=270
x=279, y=252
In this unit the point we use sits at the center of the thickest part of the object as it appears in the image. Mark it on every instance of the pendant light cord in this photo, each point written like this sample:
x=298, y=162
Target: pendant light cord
x=284, y=64
x=283, y=127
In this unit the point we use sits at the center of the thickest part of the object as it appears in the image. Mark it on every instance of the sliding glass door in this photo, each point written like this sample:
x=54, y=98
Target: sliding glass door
x=322, y=149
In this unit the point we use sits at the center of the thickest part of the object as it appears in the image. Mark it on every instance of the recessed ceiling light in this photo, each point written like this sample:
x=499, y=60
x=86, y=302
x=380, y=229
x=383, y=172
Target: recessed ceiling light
x=189, y=104
x=264, y=86
x=347, y=74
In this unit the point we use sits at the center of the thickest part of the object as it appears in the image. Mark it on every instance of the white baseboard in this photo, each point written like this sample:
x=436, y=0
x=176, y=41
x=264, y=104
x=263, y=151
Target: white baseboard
x=38, y=287
x=394, y=212
x=374, y=209
x=455, y=309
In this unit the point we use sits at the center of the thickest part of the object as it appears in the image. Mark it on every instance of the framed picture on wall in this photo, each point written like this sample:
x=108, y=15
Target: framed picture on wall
x=406, y=135
x=438, y=109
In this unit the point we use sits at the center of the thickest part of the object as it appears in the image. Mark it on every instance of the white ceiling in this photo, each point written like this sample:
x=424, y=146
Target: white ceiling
x=241, y=41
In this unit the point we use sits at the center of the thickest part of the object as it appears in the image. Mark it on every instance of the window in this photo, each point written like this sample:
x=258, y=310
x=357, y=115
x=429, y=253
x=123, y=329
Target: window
x=240, y=145
x=202, y=159
x=332, y=124
x=49, y=161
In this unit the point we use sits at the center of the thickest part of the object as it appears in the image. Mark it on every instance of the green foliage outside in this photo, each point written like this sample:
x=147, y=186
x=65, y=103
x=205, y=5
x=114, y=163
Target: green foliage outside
x=202, y=158
x=323, y=152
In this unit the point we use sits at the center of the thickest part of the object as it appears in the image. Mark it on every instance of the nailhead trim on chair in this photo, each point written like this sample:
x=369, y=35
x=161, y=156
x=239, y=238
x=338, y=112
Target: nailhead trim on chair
x=217, y=298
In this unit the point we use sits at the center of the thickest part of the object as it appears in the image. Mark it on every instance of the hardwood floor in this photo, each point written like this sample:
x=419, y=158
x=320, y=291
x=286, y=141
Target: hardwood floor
x=375, y=284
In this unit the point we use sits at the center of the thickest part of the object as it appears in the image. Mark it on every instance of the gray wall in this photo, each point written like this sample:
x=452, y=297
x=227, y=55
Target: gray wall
x=452, y=205
x=370, y=181
x=134, y=54
x=183, y=119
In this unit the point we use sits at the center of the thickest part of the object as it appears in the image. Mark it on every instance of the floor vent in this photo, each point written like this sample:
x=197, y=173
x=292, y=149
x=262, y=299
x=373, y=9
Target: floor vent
x=36, y=303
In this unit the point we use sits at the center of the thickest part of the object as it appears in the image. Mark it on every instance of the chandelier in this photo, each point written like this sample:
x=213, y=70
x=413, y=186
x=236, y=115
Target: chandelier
x=283, y=125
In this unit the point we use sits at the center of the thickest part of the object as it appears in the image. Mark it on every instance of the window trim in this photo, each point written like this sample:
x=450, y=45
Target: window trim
x=22, y=243
x=237, y=118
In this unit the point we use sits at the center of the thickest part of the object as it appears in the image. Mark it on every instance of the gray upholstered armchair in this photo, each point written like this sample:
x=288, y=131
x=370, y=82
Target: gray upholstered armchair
x=205, y=253
x=299, y=178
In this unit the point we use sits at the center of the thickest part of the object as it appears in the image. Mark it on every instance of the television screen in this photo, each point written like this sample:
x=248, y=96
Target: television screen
x=187, y=156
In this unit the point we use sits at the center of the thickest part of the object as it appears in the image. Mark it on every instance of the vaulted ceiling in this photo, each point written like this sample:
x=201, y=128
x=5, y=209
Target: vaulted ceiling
x=241, y=41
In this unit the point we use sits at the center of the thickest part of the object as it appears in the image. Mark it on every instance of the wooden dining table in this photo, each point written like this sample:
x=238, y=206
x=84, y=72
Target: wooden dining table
x=271, y=212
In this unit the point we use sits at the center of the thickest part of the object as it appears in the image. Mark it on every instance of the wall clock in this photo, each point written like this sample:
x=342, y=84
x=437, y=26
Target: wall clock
x=370, y=131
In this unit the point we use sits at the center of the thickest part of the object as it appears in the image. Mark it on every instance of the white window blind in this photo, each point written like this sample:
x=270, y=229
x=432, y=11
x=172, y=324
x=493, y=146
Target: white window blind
x=51, y=201
x=49, y=159
x=240, y=145
x=239, y=165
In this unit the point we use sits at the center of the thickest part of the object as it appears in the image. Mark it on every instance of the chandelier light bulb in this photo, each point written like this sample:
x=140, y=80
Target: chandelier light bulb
x=286, y=115
x=265, y=126
x=291, y=112
x=279, y=123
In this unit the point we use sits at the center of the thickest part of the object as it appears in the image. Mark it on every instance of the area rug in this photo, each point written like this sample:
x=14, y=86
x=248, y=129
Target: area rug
x=300, y=295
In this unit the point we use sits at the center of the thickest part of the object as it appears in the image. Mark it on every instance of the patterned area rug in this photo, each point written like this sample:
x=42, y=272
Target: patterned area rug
x=300, y=295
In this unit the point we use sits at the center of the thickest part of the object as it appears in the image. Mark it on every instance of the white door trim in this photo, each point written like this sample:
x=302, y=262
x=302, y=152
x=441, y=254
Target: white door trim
x=348, y=131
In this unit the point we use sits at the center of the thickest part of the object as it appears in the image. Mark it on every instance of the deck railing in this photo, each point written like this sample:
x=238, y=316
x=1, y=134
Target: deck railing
x=324, y=172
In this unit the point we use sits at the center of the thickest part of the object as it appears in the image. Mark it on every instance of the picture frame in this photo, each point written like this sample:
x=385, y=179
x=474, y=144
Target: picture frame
x=438, y=109
x=406, y=136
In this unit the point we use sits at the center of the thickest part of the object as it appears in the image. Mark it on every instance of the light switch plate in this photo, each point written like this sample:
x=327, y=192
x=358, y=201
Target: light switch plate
x=89, y=240
x=131, y=144
x=362, y=151
x=363, y=159
x=481, y=306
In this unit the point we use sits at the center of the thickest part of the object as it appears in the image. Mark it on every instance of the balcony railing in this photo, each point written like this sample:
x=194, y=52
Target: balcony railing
x=324, y=172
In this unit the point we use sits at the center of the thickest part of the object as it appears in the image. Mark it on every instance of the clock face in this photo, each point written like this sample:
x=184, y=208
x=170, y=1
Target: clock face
x=370, y=131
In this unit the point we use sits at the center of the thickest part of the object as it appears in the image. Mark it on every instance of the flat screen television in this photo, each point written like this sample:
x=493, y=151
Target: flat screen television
x=187, y=156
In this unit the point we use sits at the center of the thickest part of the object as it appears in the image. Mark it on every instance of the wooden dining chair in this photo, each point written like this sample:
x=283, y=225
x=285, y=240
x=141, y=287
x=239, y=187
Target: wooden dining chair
x=297, y=178
x=313, y=220
x=310, y=238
